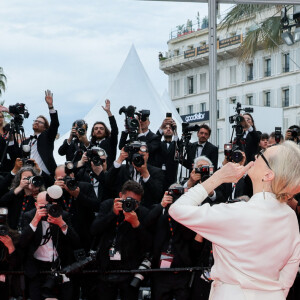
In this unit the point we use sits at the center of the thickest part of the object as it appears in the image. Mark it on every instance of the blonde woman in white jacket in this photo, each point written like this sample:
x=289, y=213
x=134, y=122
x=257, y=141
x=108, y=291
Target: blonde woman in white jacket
x=256, y=244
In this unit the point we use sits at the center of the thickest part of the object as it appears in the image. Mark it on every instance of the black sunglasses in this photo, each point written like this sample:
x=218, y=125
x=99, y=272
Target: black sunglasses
x=261, y=153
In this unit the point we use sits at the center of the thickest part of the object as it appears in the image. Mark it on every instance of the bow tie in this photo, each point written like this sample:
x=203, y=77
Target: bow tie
x=201, y=146
x=167, y=142
x=33, y=137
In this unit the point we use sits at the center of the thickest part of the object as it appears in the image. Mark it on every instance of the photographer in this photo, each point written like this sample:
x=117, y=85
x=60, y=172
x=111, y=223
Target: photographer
x=10, y=257
x=80, y=201
x=49, y=242
x=137, y=169
x=251, y=137
x=77, y=143
x=144, y=134
x=21, y=197
x=166, y=152
x=92, y=169
x=174, y=246
x=102, y=137
x=42, y=142
x=202, y=147
x=124, y=241
x=292, y=134
x=272, y=139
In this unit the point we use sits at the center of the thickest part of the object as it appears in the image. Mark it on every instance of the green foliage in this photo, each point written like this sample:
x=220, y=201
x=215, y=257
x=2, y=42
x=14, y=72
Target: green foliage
x=2, y=81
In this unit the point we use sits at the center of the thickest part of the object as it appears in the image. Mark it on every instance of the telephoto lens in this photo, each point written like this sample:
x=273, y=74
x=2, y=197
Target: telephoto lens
x=138, y=278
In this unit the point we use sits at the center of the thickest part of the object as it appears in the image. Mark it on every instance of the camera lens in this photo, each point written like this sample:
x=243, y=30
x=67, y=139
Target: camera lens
x=237, y=156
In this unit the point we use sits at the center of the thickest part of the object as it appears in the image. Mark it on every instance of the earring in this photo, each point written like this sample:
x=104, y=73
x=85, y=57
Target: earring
x=263, y=188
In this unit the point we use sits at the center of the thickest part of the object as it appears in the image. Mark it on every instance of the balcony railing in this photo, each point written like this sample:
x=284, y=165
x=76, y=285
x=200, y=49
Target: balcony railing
x=286, y=101
x=267, y=73
x=286, y=69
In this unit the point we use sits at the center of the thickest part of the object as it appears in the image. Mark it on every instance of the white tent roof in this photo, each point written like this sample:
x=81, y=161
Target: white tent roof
x=131, y=87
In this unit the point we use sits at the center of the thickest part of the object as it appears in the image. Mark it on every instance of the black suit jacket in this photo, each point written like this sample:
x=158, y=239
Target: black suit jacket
x=209, y=150
x=151, y=139
x=70, y=150
x=30, y=241
x=153, y=188
x=45, y=143
x=82, y=211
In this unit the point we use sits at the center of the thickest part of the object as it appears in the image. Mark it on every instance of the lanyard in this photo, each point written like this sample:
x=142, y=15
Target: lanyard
x=23, y=209
x=172, y=235
x=118, y=224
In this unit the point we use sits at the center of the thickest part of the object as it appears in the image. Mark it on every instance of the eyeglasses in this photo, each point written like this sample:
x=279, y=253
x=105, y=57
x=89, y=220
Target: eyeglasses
x=38, y=121
x=261, y=153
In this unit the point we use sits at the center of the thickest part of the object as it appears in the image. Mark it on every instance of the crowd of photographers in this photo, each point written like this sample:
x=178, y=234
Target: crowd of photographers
x=104, y=212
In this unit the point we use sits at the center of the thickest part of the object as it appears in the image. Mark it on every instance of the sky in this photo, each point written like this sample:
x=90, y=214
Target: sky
x=76, y=49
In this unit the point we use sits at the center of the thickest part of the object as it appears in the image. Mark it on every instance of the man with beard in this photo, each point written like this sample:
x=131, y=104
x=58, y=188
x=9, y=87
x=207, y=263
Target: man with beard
x=202, y=147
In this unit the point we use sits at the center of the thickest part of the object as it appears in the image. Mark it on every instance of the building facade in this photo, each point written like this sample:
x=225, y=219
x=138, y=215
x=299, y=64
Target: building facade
x=267, y=80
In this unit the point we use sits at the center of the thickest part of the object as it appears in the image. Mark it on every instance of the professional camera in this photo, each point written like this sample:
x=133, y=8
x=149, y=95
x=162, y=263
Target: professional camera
x=54, y=192
x=37, y=181
x=80, y=127
x=70, y=182
x=133, y=156
x=187, y=127
x=238, y=119
x=52, y=282
x=129, y=204
x=176, y=192
x=143, y=114
x=94, y=155
x=138, y=277
x=4, y=230
x=205, y=172
x=131, y=123
x=69, y=167
x=277, y=135
x=26, y=156
x=18, y=109
x=232, y=153
x=82, y=260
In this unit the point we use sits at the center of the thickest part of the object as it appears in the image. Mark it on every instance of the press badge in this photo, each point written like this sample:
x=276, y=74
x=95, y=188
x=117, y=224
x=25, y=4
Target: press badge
x=114, y=255
x=166, y=260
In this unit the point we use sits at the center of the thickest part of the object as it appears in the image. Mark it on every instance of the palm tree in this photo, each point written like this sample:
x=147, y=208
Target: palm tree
x=266, y=35
x=2, y=81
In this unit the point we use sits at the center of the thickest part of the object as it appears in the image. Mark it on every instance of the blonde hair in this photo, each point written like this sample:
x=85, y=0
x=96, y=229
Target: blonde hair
x=285, y=164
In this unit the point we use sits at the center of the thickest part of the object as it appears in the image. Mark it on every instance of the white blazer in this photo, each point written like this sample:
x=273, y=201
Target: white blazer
x=256, y=244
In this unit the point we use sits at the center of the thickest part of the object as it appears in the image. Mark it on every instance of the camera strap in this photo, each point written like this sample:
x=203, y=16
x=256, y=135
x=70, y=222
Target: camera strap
x=169, y=249
x=23, y=209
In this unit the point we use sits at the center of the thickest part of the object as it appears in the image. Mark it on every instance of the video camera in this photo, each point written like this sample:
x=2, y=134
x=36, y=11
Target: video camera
x=238, y=119
x=129, y=204
x=232, y=153
x=131, y=123
x=133, y=156
x=18, y=110
x=94, y=155
x=205, y=172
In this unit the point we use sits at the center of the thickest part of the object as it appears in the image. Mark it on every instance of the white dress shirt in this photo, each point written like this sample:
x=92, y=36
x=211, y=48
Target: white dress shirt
x=256, y=244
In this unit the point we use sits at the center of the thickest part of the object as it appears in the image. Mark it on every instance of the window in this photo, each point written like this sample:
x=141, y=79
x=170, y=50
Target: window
x=202, y=107
x=232, y=74
x=218, y=109
x=232, y=100
x=286, y=63
x=250, y=72
x=178, y=109
x=176, y=52
x=267, y=100
x=267, y=67
x=249, y=100
x=203, y=82
x=177, y=88
x=285, y=97
x=190, y=109
x=190, y=82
